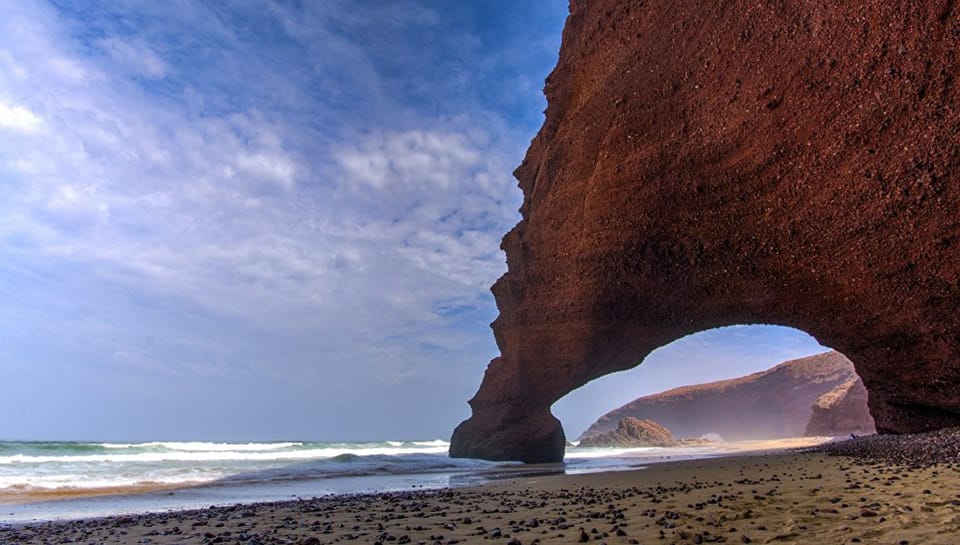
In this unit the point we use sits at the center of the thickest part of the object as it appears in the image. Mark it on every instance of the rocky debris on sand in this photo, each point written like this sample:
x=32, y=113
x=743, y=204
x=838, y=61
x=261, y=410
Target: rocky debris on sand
x=921, y=449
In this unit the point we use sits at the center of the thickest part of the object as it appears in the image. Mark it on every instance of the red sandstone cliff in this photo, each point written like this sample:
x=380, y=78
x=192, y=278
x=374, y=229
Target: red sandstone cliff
x=723, y=162
x=770, y=404
x=842, y=411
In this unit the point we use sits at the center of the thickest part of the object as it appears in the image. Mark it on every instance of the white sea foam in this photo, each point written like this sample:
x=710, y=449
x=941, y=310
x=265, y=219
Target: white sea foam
x=219, y=455
x=27, y=467
x=197, y=446
x=435, y=443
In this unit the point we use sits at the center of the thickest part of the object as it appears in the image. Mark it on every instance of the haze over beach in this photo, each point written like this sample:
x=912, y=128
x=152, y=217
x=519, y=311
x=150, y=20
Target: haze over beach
x=321, y=272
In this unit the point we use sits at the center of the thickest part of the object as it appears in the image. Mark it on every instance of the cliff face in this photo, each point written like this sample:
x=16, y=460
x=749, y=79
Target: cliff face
x=842, y=411
x=771, y=404
x=632, y=432
x=730, y=162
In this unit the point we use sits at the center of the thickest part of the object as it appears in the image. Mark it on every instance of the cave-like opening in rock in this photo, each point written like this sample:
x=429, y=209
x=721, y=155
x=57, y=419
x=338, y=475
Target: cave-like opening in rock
x=812, y=395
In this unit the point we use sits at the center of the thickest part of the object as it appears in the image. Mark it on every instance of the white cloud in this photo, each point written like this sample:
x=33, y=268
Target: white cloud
x=18, y=118
x=443, y=196
x=273, y=167
x=410, y=160
x=69, y=71
x=77, y=200
x=11, y=66
x=135, y=57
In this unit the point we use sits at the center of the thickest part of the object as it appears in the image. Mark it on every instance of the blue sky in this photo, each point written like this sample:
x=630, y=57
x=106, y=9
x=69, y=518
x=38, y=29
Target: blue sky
x=262, y=220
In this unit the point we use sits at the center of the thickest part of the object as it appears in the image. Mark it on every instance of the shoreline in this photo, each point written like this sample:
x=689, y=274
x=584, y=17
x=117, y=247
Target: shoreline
x=65, y=494
x=595, y=460
x=792, y=497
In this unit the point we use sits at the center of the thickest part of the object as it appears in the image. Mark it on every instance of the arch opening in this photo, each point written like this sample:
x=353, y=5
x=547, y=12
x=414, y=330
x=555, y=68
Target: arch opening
x=741, y=382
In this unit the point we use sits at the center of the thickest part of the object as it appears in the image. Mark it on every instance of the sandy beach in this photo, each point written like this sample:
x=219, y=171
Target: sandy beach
x=876, y=496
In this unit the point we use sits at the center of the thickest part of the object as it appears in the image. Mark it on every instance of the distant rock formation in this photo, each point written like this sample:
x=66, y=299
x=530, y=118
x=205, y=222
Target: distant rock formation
x=842, y=411
x=770, y=404
x=711, y=163
x=632, y=432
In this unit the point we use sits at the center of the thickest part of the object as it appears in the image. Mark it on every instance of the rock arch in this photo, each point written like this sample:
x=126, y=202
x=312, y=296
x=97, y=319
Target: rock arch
x=727, y=162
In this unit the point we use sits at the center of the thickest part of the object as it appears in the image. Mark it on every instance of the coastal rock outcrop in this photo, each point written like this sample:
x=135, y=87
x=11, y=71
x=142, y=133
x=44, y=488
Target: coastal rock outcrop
x=842, y=411
x=731, y=162
x=771, y=404
x=632, y=432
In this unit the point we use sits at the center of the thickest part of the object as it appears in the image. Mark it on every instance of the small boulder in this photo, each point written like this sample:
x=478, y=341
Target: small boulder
x=633, y=432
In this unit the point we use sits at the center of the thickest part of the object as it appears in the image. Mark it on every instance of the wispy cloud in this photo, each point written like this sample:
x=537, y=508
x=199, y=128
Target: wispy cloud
x=135, y=57
x=250, y=195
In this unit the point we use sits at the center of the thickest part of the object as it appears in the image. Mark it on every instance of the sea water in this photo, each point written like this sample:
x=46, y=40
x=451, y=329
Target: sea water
x=53, y=480
x=36, y=467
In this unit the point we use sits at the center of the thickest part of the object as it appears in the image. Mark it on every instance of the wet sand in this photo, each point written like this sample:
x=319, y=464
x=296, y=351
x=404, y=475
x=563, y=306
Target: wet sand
x=72, y=493
x=802, y=497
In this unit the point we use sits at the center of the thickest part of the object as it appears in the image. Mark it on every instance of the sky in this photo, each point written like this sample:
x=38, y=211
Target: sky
x=262, y=220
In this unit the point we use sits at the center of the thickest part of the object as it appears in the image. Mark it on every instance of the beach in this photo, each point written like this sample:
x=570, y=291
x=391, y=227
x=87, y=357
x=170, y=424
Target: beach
x=884, y=493
x=51, y=481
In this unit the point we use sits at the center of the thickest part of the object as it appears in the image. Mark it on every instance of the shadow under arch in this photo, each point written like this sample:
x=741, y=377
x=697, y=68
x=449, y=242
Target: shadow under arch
x=740, y=382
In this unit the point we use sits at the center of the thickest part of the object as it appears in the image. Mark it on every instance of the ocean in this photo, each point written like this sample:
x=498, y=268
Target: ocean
x=62, y=480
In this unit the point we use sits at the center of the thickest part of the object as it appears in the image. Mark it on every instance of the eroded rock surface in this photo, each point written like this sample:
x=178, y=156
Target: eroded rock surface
x=727, y=162
x=632, y=432
x=771, y=404
x=842, y=411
